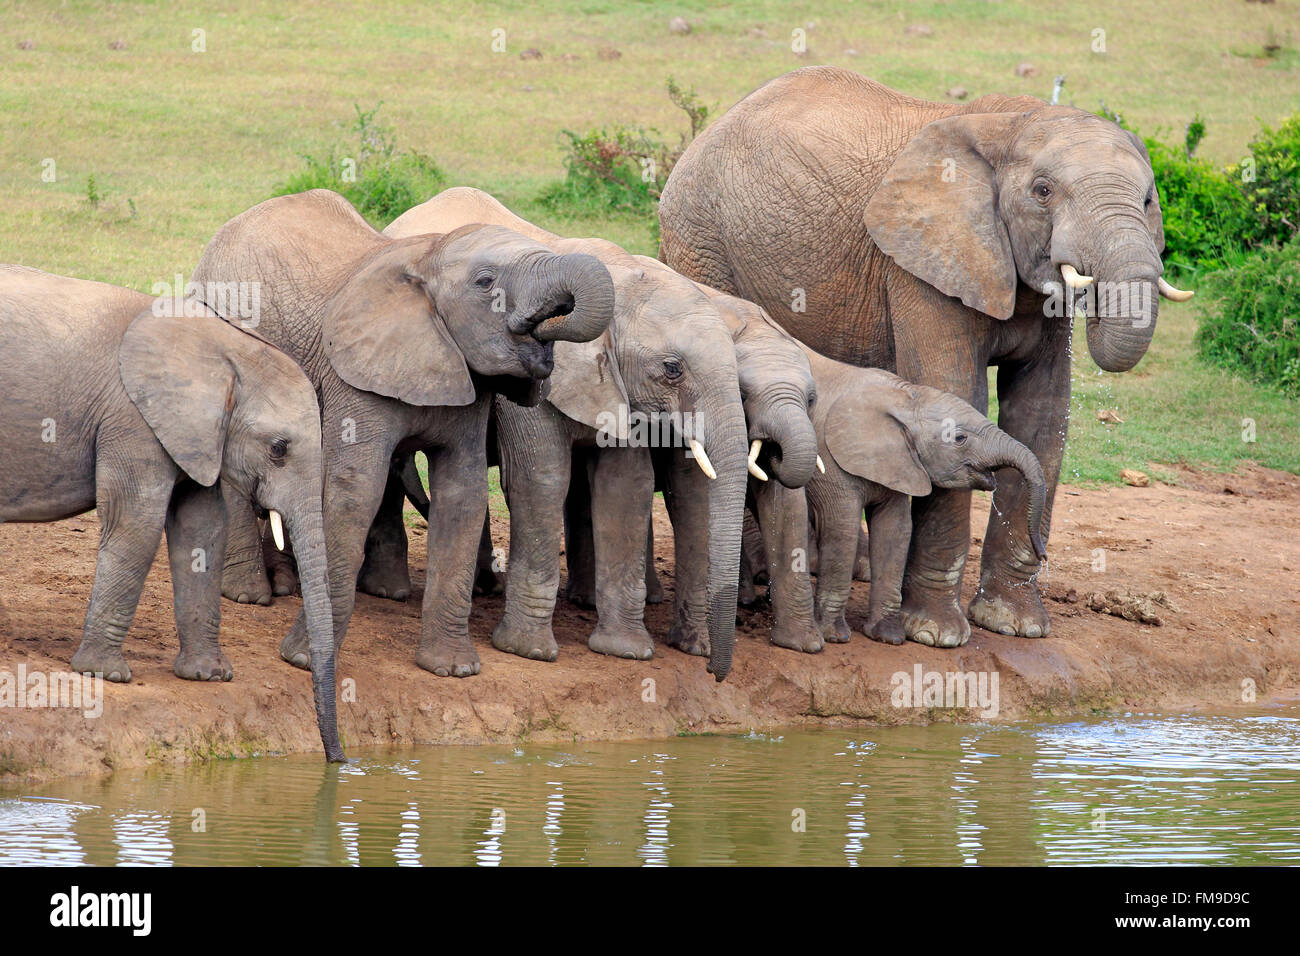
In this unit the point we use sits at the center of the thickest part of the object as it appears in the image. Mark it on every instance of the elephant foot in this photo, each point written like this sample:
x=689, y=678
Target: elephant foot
x=284, y=579
x=487, y=582
x=837, y=631
x=689, y=638
x=246, y=583
x=206, y=663
x=449, y=657
x=630, y=643
x=295, y=648
x=654, y=588
x=535, y=642
x=887, y=629
x=798, y=637
x=385, y=581
x=937, y=622
x=1015, y=611
x=862, y=568
x=107, y=662
x=747, y=594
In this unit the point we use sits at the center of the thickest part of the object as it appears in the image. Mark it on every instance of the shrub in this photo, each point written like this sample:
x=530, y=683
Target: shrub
x=374, y=175
x=1250, y=316
x=1273, y=186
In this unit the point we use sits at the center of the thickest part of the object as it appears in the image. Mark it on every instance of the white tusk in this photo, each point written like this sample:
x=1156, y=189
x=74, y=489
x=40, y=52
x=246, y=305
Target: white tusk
x=821, y=465
x=754, y=447
x=1169, y=292
x=1073, y=278
x=702, y=459
x=757, y=472
x=277, y=529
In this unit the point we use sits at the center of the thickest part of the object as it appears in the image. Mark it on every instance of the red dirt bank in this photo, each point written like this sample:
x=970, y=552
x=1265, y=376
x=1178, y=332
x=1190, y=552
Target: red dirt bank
x=1224, y=549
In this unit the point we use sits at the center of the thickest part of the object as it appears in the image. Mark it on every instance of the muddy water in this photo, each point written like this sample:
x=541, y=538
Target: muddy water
x=1138, y=789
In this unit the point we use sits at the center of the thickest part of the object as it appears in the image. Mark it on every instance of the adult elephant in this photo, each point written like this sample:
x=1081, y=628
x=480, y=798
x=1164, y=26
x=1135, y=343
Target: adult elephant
x=667, y=358
x=933, y=240
x=112, y=400
x=406, y=341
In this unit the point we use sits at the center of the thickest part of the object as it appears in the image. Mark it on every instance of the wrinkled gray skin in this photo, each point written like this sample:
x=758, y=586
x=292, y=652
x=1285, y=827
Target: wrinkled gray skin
x=405, y=341
x=883, y=440
x=106, y=405
x=666, y=351
x=923, y=241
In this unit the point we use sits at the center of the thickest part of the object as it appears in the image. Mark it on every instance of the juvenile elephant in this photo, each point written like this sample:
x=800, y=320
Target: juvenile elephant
x=109, y=401
x=883, y=440
x=666, y=361
x=406, y=341
x=935, y=240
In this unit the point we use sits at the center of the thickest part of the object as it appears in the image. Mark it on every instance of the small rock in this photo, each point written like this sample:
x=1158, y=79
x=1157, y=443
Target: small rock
x=1025, y=69
x=919, y=30
x=679, y=26
x=851, y=52
x=609, y=53
x=1137, y=479
x=117, y=45
x=957, y=93
x=1109, y=416
x=27, y=44
x=532, y=53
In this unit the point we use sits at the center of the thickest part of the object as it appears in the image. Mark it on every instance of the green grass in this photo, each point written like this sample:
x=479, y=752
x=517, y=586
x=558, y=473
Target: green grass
x=178, y=142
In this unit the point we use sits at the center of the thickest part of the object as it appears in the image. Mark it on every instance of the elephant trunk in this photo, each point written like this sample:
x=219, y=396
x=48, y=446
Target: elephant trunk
x=306, y=531
x=787, y=424
x=725, y=441
x=1123, y=304
x=1005, y=452
x=574, y=301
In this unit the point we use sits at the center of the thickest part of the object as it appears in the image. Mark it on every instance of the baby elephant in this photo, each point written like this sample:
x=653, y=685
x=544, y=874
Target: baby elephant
x=108, y=401
x=884, y=440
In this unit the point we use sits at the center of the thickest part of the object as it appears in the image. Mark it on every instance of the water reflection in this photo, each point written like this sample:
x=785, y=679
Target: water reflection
x=1133, y=789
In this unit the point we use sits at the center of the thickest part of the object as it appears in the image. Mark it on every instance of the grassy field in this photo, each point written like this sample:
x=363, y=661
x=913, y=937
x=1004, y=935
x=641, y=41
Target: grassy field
x=178, y=141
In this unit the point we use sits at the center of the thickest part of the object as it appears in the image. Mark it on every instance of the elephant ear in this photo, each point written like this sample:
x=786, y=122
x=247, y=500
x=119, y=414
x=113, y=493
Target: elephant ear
x=935, y=213
x=383, y=335
x=867, y=440
x=184, y=387
x=587, y=387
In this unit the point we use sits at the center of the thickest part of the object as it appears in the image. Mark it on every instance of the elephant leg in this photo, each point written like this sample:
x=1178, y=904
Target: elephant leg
x=891, y=530
x=862, y=566
x=941, y=343
x=536, y=458
x=132, y=511
x=356, y=474
x=281, y=567
x=783, y=516
x=1033, y=407
x=654, y=588
x=458, y=495
x=385, y=572
x=196, y=546
x=838, y=513
x=579, y=543
x=686, y=496
x=753, y=548
x=622, y=490
x=243, y=575
x=746, y=593
x=487, y=579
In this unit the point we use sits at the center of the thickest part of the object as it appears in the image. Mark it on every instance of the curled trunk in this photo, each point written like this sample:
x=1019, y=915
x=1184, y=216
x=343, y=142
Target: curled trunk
x=1006, y=452
x=308, y=537
x=572, y=301
x=1123, y=305
x=788, y=425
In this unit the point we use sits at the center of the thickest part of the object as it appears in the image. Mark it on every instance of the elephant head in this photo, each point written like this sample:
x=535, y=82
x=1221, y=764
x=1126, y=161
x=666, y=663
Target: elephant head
x=225, y=405
x=667, y=360
x=911, y=438
x=421, y=315
x=777, y=387
x=1054, y=197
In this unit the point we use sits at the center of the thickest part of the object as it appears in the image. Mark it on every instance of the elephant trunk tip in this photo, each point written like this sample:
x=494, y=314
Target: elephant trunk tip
x=1036, y=539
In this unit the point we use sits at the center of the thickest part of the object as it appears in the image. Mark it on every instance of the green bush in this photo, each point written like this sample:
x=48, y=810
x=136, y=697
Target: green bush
x=1250, y=316
x=374, y=175
x=1273, y=190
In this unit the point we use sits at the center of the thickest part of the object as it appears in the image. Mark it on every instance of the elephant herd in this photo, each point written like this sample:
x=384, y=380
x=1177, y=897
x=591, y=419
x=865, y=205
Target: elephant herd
x=823, y=235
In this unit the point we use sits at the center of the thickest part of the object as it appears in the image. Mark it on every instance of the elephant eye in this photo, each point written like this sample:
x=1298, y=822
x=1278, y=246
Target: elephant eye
x=673, y=369
x=1042, y=192
x=485, y=280
x=960, y=439
x=279, y=448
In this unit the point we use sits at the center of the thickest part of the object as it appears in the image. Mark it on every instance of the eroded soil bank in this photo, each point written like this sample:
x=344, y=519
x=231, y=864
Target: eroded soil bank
x=1224, y=551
